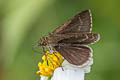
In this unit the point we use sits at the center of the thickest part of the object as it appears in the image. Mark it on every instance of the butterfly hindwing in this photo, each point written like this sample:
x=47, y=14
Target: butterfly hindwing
x=76, y=55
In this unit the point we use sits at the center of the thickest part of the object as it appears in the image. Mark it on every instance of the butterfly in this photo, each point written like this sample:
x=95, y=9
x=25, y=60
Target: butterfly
x=71, y=39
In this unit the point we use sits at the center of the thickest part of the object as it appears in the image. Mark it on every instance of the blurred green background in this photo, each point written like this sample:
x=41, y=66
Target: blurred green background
x=23, y=22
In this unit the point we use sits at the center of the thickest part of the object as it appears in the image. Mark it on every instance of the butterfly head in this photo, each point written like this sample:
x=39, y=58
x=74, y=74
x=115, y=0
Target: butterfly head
x=43, y=41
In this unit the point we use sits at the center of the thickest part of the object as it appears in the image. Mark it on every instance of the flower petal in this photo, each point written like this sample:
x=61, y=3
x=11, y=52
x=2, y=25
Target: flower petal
x=43, y=78
x=68, y=74
x=71, y=72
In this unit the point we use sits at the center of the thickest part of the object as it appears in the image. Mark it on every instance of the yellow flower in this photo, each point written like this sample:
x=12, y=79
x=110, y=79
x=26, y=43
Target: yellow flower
x=51, y=61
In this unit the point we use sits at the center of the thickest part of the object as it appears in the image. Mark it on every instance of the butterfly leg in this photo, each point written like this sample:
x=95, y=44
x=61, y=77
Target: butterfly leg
x=45, y=52
x=50, y=61
x=50, y=48
x=59, y=60
x=57, y=57
x=46, y=56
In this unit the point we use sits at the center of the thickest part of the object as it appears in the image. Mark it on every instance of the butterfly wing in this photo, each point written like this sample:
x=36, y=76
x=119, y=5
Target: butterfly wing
x=77, y=55
x=93, y=38
x=82, y=40
x=80, y=23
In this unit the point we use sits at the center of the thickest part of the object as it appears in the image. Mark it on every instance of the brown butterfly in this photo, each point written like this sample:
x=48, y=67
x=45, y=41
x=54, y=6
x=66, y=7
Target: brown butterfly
x=71, y=39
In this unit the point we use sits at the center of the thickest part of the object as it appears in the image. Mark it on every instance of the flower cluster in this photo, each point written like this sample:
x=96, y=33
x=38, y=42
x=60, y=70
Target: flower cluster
x=54, y=67
x=51, y=61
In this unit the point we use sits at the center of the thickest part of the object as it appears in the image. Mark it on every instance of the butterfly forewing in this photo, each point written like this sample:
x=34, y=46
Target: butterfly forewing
x=80, y=23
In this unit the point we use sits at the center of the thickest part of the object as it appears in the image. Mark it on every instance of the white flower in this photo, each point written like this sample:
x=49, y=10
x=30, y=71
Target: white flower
x=43, y=78
x=66, y=72
x=71, y=72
